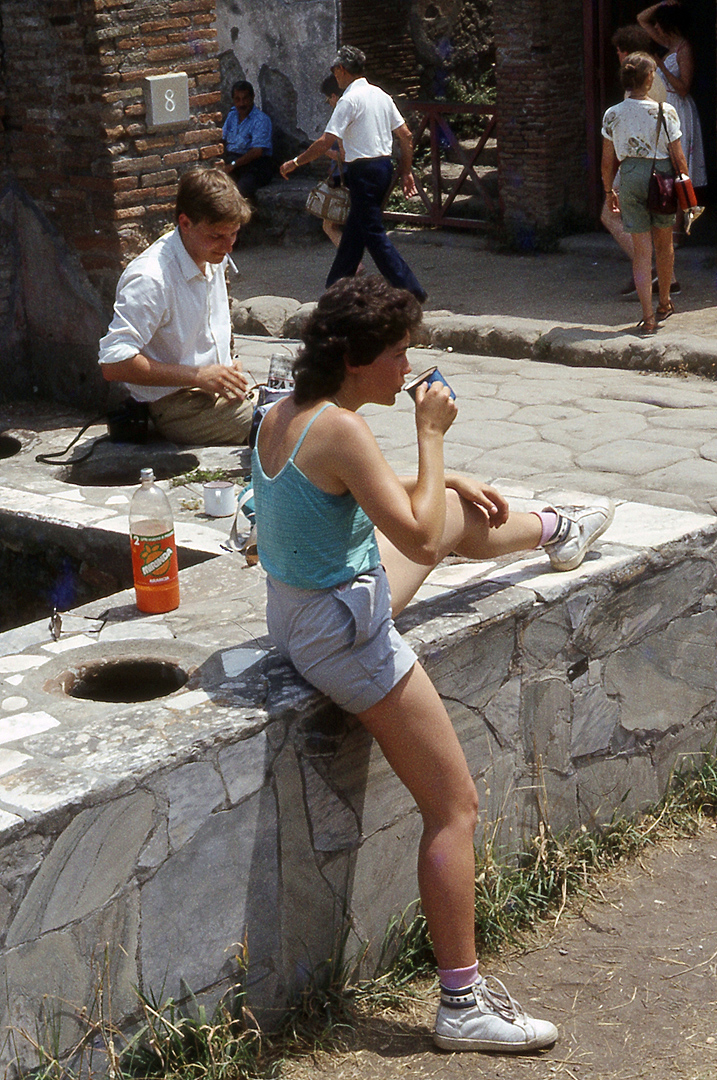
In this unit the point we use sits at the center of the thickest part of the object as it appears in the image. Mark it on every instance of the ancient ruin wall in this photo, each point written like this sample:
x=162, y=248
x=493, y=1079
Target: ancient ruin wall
x=85, y=186
x=539, y=79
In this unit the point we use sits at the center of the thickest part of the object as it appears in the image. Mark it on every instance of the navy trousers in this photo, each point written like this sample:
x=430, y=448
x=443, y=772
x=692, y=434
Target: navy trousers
x=368, y=181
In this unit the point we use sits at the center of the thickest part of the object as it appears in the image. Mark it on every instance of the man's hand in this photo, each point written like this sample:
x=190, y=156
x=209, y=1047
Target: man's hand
x=409, y=185
x=228, y=382
x=287, y=168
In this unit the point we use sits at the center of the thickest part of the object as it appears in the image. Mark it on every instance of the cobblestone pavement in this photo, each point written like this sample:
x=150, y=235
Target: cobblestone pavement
x=644, y=437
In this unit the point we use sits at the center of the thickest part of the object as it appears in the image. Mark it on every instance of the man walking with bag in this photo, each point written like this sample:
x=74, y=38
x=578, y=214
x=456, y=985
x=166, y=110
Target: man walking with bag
x=365, y=119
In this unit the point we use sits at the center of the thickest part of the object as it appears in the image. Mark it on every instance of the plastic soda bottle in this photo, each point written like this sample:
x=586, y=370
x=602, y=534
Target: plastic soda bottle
x=154, y=552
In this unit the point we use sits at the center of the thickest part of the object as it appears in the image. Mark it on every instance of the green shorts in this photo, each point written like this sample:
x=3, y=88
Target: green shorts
x=634, y=181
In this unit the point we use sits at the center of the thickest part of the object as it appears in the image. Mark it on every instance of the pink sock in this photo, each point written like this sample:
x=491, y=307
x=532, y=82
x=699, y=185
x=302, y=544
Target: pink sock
x=549, y=521
x=458, y=978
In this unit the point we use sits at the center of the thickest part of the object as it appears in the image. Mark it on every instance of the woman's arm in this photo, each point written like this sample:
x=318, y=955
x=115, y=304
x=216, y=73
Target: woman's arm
x=677, y=155
x=609, y=167
x=346, y=454
x=486, y=498
x=645, y=20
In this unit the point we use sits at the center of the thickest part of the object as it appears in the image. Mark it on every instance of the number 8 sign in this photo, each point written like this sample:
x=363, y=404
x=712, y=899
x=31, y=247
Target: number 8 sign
x=166, y=99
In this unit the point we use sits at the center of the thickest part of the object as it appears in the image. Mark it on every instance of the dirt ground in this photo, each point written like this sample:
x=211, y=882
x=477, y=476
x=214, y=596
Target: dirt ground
x=630, y=979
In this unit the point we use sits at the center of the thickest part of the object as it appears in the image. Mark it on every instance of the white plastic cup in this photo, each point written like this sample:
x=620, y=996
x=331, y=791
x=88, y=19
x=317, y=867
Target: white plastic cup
x=219, y=498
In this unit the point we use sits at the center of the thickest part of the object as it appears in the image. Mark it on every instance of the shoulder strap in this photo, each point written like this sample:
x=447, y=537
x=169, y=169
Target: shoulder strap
x=660, y=121
x=296, y=449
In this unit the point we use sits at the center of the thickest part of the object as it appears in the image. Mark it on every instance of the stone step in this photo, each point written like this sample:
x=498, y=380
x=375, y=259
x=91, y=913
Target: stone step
x=280, y=215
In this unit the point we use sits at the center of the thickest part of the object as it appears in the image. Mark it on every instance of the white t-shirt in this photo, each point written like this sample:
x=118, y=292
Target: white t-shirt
x=168, y=310
x=631, y=126
x=364, y=119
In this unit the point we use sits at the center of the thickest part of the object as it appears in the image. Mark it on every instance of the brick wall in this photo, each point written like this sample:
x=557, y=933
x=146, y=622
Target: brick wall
x=83, y=185
x=541, y=102
x=74, y=110
x=381, y=31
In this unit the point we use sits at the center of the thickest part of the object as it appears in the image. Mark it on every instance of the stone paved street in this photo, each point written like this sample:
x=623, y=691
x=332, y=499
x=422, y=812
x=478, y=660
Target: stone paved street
x=644, y=437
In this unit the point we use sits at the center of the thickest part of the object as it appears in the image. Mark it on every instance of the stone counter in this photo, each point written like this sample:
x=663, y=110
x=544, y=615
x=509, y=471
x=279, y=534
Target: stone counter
x=242, y=807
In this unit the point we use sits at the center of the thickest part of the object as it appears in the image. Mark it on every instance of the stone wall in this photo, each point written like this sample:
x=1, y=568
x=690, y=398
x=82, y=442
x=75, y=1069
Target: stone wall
x=285, y=52
x=541, y=108
x=172, y=830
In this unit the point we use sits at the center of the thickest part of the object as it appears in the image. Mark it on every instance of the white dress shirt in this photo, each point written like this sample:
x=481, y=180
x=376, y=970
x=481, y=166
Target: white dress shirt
x=364, y=119
x=168, y=310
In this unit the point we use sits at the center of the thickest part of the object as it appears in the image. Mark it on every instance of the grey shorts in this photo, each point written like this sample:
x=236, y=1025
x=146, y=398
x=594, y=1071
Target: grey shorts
x=341, y=640
x=634, y=181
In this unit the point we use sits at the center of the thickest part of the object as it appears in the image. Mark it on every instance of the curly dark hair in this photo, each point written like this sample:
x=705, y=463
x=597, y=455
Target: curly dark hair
x=355, y=320
x=672, y=18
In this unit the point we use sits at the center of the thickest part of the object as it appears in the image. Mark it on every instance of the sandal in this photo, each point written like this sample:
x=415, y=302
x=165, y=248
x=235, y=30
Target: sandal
x=664, y=311
x=647, y=326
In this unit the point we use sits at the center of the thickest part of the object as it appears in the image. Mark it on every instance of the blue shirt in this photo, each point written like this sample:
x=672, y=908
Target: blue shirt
x=242, y=135
x=307, y=537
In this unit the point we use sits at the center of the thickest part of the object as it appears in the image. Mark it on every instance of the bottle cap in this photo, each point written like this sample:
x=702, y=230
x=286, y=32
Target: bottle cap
x=147, y=474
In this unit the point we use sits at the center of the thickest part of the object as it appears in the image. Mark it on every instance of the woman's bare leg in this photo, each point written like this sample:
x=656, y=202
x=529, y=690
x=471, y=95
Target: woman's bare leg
x=642, y=271
x=467, y=533
x=417, y=738
x=665, y=261
x=612, y=220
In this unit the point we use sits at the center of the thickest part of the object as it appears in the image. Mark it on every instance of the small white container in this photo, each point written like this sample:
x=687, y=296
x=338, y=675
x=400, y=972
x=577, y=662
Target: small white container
x=219, y=498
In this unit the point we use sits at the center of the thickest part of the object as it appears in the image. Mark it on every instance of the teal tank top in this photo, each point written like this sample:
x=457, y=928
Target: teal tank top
x=305, y=536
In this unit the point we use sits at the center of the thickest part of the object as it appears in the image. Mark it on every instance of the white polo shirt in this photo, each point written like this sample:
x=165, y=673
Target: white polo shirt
x=170, y=311
x=364, y=119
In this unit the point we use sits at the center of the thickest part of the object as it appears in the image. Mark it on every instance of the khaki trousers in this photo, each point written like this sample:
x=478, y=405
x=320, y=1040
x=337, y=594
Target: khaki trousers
x=193, y=416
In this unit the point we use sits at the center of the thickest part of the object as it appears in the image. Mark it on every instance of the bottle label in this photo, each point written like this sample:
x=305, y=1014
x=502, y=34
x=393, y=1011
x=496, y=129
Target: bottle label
x=154, y=558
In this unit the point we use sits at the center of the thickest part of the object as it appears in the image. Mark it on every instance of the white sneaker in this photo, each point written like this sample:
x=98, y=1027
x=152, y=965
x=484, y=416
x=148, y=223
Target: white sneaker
x=493, y=1021
x=576, y=534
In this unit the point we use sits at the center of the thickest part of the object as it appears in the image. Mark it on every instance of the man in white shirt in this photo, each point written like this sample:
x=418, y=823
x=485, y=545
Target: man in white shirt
x=170, y=337
x=365, y=119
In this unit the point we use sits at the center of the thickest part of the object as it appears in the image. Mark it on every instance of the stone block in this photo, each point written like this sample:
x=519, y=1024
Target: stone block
x=227, y=879
x=614, y=787
x=192, y=792
x=651, y=602
x=265, y=315
x=296, y=322
x=545, y=722
x=668, y=678
x=243, y=767
x=384, y=885
x=558, y=800
x=471, y=670
x=334, y=825
x=544, y=637
x=91, y=860
x=477, y=741
x=49, y=980
x=502, y=713
x=595, y=717
x=682, y=751
x=304, y=942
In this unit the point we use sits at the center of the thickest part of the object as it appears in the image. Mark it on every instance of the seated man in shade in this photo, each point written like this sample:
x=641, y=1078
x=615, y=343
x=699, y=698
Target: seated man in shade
x=247, y=139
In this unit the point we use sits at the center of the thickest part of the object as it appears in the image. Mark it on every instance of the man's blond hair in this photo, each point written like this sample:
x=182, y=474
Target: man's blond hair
x=208, y=194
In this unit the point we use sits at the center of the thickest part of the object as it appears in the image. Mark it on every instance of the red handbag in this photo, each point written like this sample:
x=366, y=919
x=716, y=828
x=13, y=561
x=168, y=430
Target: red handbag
x=661, y=193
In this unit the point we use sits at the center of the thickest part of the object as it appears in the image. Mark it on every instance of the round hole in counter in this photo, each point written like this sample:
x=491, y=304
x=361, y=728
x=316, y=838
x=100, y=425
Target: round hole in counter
x=127, y=680
x=9, y=446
